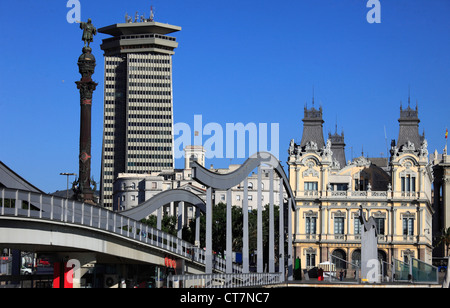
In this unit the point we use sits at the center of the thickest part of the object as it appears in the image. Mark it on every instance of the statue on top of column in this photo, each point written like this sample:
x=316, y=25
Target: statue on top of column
x=88, y=32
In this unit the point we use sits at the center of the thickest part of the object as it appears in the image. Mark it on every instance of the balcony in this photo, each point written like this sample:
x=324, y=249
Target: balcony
x=350, y=238
x=312, y=237
x=350, y=194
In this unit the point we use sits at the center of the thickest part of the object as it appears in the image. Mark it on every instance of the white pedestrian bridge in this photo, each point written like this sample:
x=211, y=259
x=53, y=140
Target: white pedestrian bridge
x=33, y=221
x=58, y=224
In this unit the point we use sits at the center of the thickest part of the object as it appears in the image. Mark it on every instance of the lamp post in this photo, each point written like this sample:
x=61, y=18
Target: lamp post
x=67, y=174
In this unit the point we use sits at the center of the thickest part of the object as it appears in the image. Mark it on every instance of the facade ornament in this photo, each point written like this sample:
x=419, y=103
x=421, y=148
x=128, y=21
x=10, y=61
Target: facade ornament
x=424, y=149
x=335, y=165
x=394, y=150
x=361, y=162
x=310, y=171
x=310, y=250
x=327, y=150
x=409, y=146
x=298, y=152
x=291, y=150
x=311, y=146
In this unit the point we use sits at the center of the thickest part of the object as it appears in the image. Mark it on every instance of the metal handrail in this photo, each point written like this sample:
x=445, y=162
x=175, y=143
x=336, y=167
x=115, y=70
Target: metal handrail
x=224, y=280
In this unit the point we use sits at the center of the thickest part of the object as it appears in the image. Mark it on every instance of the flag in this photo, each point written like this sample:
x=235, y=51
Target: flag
x=446, y=133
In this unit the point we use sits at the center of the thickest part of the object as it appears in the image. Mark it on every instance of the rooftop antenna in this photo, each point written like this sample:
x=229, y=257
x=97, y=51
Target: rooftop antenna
x=385, y=138
x=336, y=126
x=152, y=14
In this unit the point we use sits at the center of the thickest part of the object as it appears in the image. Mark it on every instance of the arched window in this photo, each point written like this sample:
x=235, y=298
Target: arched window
x=339, y=259
x=356, y=257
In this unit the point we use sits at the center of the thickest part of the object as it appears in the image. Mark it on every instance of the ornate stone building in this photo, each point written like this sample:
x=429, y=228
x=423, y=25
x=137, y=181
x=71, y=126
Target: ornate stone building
x=330, y=191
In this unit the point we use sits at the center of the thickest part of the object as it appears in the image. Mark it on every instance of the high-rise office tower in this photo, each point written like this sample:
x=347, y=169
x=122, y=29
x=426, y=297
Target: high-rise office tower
x=138, y=110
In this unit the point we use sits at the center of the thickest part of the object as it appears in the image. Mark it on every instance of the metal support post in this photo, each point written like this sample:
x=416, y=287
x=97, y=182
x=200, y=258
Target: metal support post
x=229, y=236
x=245, y=263
x=259, y=237
x=208, y=252
x=271, y=225
x=281, y=231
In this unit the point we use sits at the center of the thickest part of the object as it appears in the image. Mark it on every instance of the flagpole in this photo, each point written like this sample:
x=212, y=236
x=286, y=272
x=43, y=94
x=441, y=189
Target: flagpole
x=446, y=139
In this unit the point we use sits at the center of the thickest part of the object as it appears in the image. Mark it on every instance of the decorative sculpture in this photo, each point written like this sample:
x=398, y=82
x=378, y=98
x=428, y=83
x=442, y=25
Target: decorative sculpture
x=369, y=249
x=88, y=32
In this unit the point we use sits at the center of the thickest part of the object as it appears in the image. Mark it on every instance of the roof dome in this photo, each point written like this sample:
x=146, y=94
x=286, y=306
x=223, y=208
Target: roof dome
x=87, y=56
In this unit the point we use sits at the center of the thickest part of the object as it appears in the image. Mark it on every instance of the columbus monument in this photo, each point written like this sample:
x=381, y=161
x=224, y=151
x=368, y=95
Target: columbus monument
x=84, y=187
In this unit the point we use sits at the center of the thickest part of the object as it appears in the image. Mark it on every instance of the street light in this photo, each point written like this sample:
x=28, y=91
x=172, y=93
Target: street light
x=67, y=174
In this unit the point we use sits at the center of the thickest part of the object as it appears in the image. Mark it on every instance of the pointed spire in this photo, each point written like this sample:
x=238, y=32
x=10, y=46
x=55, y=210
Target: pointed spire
x=313, y=130
x=409, y=125
x=409, y=95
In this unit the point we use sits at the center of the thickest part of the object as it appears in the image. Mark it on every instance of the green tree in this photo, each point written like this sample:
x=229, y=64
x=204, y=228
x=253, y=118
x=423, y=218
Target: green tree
x=168, y=223
x=265, y=220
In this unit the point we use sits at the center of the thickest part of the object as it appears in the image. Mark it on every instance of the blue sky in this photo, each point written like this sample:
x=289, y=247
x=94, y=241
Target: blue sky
x=238, y=61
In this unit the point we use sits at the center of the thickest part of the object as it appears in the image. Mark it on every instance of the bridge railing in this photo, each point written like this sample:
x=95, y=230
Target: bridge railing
x=18, y=203
x=224, y=280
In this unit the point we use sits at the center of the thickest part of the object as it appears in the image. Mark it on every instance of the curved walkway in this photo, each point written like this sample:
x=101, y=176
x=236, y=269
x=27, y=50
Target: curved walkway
x=234, y=178
x=163, y=198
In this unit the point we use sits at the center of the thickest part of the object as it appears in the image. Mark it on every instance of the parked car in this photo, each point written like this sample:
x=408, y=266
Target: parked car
x=25, y=271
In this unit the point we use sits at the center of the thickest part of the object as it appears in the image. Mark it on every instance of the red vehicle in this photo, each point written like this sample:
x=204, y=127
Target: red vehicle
x=43, y=262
